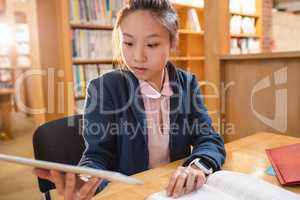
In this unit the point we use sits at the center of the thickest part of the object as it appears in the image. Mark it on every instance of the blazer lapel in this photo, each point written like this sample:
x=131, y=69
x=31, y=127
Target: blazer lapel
x=137, y=105
x=176, y=98
x=175, y=105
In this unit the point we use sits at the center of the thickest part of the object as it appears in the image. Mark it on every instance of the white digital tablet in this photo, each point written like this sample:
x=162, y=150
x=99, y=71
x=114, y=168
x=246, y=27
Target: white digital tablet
x=108, y=175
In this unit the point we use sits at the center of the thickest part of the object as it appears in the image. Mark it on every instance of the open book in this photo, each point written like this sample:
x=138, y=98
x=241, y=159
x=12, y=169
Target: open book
x=228, y=185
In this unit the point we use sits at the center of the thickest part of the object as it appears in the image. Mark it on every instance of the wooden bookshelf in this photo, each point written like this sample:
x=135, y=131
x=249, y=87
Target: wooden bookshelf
x=257, y=36
x=90, y=26
x=80, y=98
x=244, y=14
x=190, y=54
x=186, y=31
x=244, y=36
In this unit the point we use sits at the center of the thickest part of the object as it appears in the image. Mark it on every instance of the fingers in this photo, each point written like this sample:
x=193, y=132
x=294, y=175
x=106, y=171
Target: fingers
x=70, y=183
x=185, y=180
x=179, y=188
x=66, y=184
x=200, y=180
x=42, y=173
x=177, y=182
x=59, y=181
x=93, y=191
x=172, y=182
x=87, y=188
x=191, y=180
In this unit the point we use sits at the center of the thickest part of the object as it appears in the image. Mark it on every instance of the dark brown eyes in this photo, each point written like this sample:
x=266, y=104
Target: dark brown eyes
x=128, y=43
x=153, y=45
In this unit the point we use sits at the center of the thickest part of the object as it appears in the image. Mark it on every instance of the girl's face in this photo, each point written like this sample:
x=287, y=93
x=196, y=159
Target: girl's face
x=145, y=45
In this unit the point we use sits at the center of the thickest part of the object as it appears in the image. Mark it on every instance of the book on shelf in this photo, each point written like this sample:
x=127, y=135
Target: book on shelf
x=244, y=46
x=235, y=24
x=5, y=75
x=94, y=11
x=242, y=25
x=248, y=6
x=243, y=6
x=23, y=61
x=92, y=44
x=116, y=6
x=105, y=69
x=253, y=45
x=82, y=74
x=5, y=62
x=79, y=80
x=234, y=46
x=235, y=6
x=22, y=33
x=22, y=38
x=79, y=106
x=229, y=185
x=193, y=22
x=23, y=49
x=248, y=25
x=91, y=72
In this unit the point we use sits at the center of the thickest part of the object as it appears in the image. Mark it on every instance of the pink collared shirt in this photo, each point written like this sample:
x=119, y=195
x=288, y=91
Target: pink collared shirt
x=157, y=108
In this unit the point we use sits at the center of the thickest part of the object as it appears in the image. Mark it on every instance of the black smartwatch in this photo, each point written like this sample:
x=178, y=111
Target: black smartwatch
x=202, y=166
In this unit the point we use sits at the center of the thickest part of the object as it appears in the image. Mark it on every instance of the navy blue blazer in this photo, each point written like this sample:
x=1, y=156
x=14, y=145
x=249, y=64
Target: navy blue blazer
x=115, y=129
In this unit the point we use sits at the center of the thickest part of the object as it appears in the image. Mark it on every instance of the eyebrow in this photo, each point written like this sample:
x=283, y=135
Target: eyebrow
x=148, y=36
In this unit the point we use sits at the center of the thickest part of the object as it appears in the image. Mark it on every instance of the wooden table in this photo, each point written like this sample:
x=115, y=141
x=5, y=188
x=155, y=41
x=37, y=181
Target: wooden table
x=245, y=155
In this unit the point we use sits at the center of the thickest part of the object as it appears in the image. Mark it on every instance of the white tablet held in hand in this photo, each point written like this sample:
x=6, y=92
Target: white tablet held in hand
x=104, y=174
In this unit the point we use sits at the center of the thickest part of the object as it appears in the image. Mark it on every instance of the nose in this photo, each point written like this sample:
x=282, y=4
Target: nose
x=139, y=54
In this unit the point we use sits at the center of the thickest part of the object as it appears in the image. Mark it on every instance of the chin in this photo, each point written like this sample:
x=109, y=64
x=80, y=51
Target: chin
x=141, y=77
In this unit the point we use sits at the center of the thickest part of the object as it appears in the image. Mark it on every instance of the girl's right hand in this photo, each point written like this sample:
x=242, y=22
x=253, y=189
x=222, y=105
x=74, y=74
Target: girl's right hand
x=70, y=185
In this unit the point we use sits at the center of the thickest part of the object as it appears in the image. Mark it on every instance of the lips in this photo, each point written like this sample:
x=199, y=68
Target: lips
x=139, y=69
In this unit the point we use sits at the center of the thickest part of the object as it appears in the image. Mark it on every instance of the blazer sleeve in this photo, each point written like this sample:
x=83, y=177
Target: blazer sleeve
x=98, y=118
x=207, y=144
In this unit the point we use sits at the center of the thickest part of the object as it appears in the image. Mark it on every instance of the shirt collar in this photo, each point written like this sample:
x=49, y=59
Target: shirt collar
x=149, y=91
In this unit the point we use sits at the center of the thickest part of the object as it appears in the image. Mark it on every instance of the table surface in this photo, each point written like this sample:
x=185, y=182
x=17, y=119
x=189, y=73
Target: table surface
x=245, y=155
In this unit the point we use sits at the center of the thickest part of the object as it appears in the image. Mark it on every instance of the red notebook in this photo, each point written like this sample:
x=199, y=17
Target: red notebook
x=286, y=163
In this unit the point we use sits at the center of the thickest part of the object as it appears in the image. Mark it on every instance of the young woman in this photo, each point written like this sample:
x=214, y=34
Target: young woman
x=146, y=114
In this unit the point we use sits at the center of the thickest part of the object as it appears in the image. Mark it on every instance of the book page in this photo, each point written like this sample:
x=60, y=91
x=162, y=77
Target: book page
x=206, y=192
x=247, y=187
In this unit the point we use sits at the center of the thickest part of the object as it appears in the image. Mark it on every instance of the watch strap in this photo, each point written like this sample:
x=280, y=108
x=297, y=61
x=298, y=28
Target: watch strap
x=197, y=163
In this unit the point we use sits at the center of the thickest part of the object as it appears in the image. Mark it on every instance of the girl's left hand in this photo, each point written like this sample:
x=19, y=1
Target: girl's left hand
x=185, y=180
